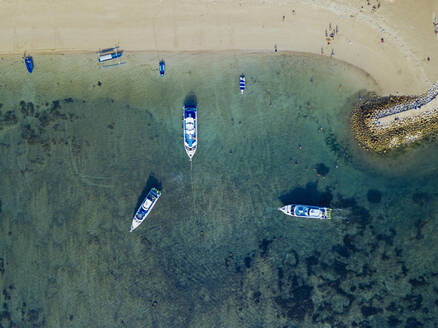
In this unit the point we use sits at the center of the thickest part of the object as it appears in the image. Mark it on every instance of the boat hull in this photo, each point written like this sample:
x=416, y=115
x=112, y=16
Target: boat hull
x=111, y=56
x=28, y=61
x=242, y=83
x=145, y=208
x=162, y=67
x=190, y=130
x=307, y=211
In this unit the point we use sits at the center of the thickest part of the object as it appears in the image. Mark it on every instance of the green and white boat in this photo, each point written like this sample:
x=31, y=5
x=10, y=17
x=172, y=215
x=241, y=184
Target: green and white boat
x=306, y=211
x=145, y=208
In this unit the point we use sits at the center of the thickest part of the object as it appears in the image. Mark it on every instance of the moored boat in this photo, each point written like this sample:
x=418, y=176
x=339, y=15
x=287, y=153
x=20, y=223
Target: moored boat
x=145, y=208
x=162, y=66
x=242, y=83
x=28, y=61
x=307, y=211
x=109, y=56
x=190, y=129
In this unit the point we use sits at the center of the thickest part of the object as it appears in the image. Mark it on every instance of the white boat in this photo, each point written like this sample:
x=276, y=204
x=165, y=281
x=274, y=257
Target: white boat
x=145, y=208
x=190, y=129
x=306, y=211
x=242, y=83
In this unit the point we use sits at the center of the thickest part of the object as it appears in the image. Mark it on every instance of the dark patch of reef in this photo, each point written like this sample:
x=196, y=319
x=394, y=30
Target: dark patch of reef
x=40, y=126
x=374, y=196
x=344, y=283
x=22, y=315
x=321, y=169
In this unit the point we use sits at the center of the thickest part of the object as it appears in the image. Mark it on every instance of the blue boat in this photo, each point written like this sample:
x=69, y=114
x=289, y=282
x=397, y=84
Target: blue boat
x=162, y=67
x=307, y=211
x=110, y=56
x=28, y=61
x=242, y=83
x=145, y=208
x=190, y=129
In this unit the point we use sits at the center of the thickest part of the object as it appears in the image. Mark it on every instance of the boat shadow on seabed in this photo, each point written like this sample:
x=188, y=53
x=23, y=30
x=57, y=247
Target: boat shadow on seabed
x=311, y=195
x=191, y=100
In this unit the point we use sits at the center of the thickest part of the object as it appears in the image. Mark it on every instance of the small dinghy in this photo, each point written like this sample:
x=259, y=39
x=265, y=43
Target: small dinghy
x=28, y=61
x=242, y=83
x=162, y=67
x=145, y=208
x=306, y=211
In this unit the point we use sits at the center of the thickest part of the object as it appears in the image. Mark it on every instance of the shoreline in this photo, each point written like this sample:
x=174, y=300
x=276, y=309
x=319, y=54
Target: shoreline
x=259, y=52
x=250, y=52
x=398, y=65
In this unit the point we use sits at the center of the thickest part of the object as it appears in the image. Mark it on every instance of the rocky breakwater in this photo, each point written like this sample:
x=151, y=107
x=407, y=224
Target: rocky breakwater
x=384, y=123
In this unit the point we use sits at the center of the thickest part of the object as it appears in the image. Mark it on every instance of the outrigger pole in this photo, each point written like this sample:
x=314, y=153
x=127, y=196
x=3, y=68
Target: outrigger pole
x=107, y=49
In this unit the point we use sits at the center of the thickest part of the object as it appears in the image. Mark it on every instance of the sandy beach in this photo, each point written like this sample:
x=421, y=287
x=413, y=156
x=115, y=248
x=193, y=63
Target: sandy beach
x=399, y=64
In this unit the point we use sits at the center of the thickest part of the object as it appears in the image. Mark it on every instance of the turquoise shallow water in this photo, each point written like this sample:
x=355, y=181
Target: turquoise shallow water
x=79, y=145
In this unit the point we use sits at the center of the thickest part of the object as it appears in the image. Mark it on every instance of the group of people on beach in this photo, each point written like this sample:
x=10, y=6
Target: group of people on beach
x=330, y=34
x=374, y=6
x=435, y=25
